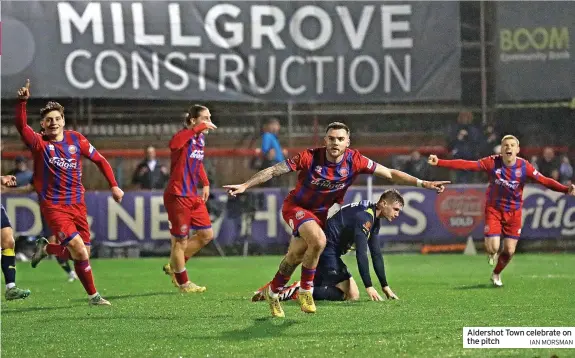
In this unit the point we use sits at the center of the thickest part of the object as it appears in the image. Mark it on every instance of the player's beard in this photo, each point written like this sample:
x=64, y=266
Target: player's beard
x=334, y=153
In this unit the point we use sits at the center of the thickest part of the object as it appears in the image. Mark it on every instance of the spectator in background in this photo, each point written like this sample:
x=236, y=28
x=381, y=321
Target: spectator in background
x=271, y=150
x=490, y=141
x=21, y=172
x=462, y=147
x=417, y=166
x=565, y=171
x=549, y=165
x=150, y=174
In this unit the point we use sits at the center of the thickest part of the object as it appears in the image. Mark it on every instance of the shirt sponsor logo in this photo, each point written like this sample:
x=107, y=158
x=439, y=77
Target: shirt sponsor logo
x=197, y=154
x=511, y=184
x=64, y=163
x=326, y=184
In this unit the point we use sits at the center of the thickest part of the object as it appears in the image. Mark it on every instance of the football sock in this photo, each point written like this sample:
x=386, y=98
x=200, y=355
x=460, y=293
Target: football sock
x=55, y=249
x=328, y=293
x=84, y=272
x=64, y=264
x=503, y=260
x=9, y=267
x=186, y=258
x=307, y=276
x=182, y=277
x=279, y=282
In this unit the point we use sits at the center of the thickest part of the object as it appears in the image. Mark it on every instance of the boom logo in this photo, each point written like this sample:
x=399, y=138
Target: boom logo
x=539, y=39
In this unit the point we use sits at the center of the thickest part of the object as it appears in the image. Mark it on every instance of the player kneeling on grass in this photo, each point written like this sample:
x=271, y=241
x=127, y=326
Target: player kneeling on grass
x=185, y=206
x=57, y=180
x=507, y=175
x=356, y=225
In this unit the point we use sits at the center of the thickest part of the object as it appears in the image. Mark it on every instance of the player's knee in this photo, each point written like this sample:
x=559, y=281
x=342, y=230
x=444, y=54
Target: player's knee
x=352, y=296
x=206, y=236
x=7, y=241
x=78, y=249
x=317, y=243
x=509, y=251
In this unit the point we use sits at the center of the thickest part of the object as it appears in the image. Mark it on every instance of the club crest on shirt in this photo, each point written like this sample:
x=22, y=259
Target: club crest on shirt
x=72, y=149
x=318, y=169
x=518, y=172
x=486, y=229
x=299, y=215
x=343, y=172
x=184, y=229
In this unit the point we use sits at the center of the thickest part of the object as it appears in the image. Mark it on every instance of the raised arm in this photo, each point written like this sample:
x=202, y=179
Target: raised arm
x=182, y=137
x=457, y=164
x=26, y=132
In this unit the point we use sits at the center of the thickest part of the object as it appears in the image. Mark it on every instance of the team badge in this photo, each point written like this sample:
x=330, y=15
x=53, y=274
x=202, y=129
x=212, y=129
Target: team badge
x=318, y=169
x=343, y=172
x=299, y=215
x=486, y=229
x=72, y=149
x=518, y=172
x=184, y=229
x=369, y=164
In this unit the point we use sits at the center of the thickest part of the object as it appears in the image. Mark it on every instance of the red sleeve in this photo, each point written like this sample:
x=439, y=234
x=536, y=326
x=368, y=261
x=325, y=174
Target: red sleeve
x=26, y=132
x=545, y=181
x=203, y=175
x=300, y=161
x=182, y=137
x=362, y=164
x=471, y=165
x=88, y=150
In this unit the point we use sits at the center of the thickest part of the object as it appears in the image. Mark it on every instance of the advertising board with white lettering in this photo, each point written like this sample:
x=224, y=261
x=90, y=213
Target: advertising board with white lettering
x=426, y=217
x=535, y=59
x=234, y=50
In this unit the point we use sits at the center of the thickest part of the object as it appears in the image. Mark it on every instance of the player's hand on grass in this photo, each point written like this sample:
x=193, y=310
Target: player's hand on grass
x=373, y=295
x=9, y=180
x=438, y=186
x=117, y=194
x=432, y=160
x=205, y=193
x=24, y=92
x=389, y=293
x=235, y=189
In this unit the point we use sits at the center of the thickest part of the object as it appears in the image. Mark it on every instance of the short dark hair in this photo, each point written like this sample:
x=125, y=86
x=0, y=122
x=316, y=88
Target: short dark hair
x=337, y=125
x=52, y=106
x=391, y=196
x=194, y=112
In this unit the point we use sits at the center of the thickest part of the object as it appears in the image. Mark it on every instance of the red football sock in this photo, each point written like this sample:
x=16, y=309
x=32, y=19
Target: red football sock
x=84, y=272
x=279, y=282
x=307, y=275
x=182, y=277
x=503, y=260
x=55, y=249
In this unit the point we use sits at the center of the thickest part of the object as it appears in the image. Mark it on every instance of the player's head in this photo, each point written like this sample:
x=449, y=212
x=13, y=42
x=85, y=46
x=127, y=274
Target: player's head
x=196, y=115
x=390, y=204
x=336, y=139
x=52, y=119
x=509, y=147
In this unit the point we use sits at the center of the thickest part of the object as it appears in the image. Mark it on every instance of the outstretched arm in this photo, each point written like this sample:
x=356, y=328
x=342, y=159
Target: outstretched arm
x=457, y=164
x=258, y=178
x=547, y=182
x=402, y=178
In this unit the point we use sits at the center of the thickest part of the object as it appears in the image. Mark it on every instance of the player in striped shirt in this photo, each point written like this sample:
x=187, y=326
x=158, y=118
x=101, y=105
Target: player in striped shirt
x=57, y=179
x=185, y=206
x=508, y=174
x=324, y=175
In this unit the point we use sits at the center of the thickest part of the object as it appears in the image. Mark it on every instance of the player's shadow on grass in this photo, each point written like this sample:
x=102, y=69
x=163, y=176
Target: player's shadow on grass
x=474, y=287
x=131, y=295
x=8, y=311
x=260, y=328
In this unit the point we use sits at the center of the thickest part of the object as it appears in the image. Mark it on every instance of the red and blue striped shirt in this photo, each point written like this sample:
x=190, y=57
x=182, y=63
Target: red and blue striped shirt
x=322, y=183
x=187, y=163
x=58, y=165
x=505, y=189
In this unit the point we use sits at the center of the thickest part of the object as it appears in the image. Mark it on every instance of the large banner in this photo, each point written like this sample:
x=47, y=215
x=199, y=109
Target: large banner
x=427, y=217
x=535, y=58
x=301, y=51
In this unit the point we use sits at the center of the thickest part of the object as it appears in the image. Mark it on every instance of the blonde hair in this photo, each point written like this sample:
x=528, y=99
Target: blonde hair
x=509, y=136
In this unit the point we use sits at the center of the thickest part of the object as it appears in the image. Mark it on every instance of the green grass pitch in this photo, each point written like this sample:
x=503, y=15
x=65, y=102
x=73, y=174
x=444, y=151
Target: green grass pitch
x=439, y=295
